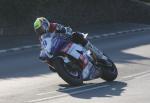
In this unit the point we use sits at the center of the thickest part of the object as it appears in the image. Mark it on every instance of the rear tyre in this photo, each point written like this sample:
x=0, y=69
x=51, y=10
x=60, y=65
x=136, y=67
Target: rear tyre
x=62, y=71
x=109, y=73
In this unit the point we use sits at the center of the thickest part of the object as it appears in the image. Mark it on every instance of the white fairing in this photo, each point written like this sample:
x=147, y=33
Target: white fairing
x=85, y=35
x=66, y=59
x=73, y=50
x=86, y=70
x=46, y=43
x=47, y=46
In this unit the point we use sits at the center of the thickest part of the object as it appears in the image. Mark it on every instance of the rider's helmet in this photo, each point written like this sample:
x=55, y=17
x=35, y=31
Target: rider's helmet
x=41, y=25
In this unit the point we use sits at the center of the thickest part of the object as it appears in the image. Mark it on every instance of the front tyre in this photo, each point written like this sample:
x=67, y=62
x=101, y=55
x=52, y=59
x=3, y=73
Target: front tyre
x=109, y=73
x=51, y=69
x=63, y=72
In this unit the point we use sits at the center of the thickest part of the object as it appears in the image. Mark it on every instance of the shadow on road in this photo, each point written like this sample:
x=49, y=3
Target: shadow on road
x=115, y=46
x=115, y=88
x=26, y=64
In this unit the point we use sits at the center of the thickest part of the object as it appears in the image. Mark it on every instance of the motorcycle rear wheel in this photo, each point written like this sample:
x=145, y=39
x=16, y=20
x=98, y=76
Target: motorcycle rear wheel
x=109, y=73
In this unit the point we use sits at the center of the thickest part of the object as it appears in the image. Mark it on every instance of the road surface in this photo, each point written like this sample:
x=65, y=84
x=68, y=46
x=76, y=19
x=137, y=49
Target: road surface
x=24, y=79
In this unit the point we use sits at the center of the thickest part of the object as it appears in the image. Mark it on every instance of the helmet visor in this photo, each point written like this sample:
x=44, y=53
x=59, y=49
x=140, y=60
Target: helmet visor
x=40, y=31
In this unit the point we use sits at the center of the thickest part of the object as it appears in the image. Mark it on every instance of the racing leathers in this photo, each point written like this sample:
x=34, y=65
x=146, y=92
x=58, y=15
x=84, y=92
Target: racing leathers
x=45, y=39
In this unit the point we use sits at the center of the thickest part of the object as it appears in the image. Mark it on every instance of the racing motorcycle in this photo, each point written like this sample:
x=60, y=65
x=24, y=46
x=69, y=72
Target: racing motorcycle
x=68, y=59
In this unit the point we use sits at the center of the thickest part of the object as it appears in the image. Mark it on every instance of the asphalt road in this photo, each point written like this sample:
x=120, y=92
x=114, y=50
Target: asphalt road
x=24, y=79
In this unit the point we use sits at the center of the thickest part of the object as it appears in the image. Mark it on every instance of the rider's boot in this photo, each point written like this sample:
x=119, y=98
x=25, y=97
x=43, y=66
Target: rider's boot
x=97, y=54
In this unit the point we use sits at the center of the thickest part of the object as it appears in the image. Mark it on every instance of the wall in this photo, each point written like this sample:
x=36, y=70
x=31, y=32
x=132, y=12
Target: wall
x=17, y=16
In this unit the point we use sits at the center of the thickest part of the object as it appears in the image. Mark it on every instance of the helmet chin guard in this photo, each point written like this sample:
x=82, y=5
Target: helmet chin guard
x=41, y=25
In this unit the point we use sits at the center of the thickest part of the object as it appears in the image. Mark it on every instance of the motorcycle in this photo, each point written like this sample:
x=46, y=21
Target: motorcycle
x=68, y=59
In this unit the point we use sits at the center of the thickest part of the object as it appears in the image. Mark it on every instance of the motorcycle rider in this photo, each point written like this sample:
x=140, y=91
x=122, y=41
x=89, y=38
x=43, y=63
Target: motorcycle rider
x=44, y=29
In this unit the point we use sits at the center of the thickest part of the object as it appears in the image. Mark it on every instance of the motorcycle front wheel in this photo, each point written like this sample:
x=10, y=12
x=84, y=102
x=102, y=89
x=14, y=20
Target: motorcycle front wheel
x=73, y=78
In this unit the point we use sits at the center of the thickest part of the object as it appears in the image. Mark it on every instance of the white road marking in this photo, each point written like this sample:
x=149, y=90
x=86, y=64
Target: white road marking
x=19, y=48
x=63, y=95
x=136, y=75
x=121, y=32
x=97, y=36
x=36, y=45
x=105, y=34
x=3, y=51
x=91, y=37
x=28, y=46
x=143, y=76
x=111, y=34
x=135, y=30
x=73, y=88
x=15, y=49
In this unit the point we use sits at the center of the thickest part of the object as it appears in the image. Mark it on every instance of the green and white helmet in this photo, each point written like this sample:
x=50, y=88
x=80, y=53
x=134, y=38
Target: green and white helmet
x=41, y=25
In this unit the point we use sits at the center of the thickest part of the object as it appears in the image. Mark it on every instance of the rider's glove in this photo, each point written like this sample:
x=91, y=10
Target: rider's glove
x=68, y=31
x=43, y=56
